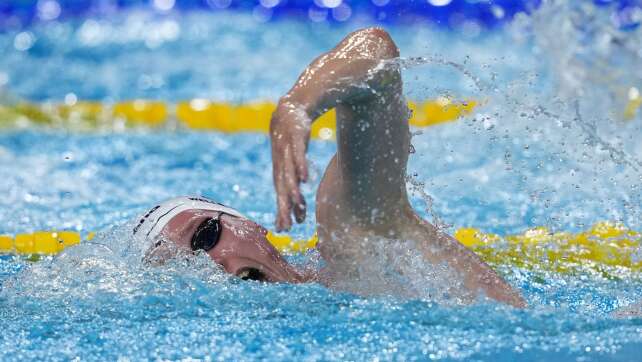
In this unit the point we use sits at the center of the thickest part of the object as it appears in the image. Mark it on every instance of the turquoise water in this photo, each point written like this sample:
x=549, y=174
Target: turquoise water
x=537, y=153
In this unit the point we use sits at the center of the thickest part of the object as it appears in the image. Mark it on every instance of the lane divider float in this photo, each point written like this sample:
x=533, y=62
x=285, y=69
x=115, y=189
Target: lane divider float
x=607, y=248
x=200, y=114
x=40, y=242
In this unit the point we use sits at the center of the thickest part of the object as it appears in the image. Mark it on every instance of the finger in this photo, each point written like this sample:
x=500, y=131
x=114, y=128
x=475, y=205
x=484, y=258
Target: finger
x=300, y=209
x=277, y=154
x=297, y=202
x=283, y=220
x=282, y=198
x=300, y=163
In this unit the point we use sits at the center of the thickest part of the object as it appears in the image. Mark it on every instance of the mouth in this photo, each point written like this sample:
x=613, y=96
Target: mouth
x=251, y=274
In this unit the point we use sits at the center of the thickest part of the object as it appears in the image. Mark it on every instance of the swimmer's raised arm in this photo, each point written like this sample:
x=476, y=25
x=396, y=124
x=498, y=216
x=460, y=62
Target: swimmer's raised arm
x=356, y=79
x=363, y=192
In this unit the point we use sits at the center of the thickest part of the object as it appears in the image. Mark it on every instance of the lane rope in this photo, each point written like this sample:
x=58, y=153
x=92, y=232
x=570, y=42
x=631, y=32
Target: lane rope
x=199, y=114
x=607, y=248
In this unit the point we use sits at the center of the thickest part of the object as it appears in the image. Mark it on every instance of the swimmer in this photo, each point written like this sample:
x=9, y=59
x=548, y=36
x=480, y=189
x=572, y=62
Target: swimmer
x=362, y=195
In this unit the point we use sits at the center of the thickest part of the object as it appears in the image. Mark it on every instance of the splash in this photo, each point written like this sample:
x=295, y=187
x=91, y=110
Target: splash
x=556, y=120
x=592, y=50
x=376, y=266
x=112, y=264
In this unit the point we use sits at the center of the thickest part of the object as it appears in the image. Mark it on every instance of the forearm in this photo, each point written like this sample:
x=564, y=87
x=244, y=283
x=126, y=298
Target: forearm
x=358, y=78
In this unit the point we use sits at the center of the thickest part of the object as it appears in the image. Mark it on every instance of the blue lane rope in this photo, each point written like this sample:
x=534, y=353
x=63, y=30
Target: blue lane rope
x=437, y=12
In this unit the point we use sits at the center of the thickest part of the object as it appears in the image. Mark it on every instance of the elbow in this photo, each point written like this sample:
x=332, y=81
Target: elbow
x=377, y=41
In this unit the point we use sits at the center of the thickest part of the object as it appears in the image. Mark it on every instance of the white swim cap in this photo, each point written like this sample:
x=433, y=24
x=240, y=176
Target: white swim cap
x=153, y=222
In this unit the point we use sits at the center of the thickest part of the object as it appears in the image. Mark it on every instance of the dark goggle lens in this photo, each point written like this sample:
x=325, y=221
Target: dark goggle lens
x=206, y=235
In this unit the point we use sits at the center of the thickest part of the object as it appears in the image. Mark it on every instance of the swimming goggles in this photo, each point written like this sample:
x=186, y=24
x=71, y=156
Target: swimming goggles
x=207, y=234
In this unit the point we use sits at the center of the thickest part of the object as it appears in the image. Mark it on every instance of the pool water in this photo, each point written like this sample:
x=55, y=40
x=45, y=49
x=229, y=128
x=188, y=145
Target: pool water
x=535, y=154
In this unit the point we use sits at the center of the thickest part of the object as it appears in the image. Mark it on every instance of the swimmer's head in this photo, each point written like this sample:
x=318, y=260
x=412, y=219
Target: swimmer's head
x=236, y=243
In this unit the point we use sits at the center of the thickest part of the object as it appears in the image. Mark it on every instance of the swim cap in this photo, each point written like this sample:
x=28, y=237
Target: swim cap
x=153, y=222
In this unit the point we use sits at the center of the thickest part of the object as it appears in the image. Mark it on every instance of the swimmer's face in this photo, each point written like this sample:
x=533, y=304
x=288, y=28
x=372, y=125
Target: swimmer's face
x=242, y=248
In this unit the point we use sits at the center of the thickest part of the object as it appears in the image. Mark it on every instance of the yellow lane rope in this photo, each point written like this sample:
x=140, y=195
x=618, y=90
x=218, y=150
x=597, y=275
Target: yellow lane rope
x=607, y=248
x=204, y=114
x=39, y=242
x=199, y=114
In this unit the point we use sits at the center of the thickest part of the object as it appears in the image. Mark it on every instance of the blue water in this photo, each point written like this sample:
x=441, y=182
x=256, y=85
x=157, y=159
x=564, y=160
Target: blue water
x=525, y=159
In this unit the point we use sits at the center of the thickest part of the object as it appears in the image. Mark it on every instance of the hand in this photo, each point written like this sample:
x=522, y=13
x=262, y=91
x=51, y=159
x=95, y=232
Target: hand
x=290, y=134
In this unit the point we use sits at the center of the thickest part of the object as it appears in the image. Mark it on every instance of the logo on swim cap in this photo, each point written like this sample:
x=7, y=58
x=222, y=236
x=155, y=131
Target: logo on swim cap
x=142, y=220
